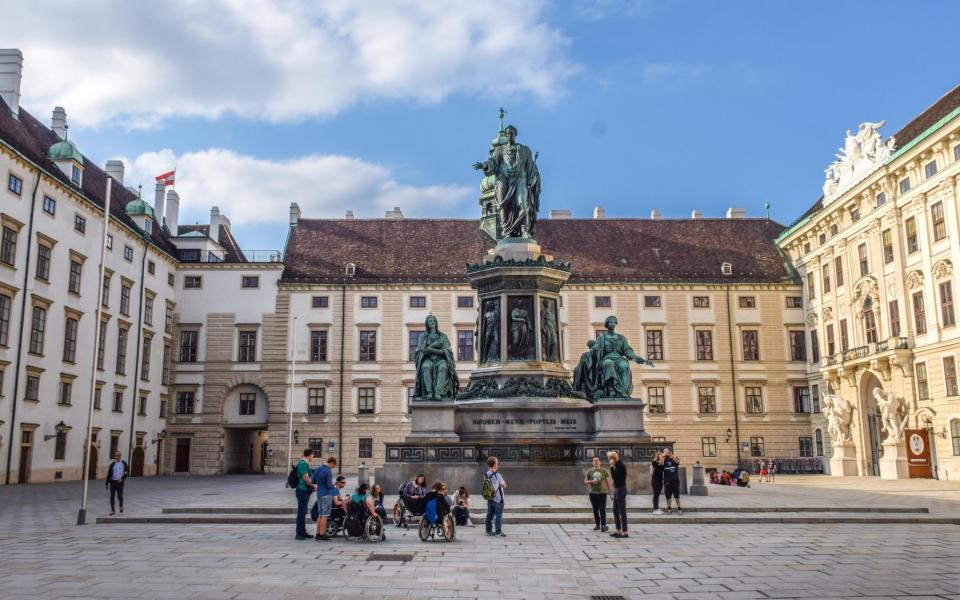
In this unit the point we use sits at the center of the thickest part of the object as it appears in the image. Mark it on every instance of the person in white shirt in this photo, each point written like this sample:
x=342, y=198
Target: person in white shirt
x=117, y=474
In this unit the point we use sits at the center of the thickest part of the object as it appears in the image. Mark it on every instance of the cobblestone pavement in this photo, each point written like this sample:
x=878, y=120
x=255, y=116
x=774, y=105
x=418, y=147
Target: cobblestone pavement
x=44, y=555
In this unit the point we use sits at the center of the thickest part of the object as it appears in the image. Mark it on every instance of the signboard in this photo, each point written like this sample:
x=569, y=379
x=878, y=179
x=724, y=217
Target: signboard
x=918, y=453
x=330, y=445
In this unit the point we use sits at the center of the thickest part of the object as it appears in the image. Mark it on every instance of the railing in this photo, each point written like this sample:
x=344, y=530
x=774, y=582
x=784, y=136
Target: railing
x=263, y=255
x=862, y=352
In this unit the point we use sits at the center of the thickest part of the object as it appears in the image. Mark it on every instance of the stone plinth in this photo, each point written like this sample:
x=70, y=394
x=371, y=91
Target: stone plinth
x=433, y=420
x=893, y=463
x=844, y=461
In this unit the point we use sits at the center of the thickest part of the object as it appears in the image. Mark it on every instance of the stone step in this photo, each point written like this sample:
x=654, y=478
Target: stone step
x=227, y=510
x=704, y=518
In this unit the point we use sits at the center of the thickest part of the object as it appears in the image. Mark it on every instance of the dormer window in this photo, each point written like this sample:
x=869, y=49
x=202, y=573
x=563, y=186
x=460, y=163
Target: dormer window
x=75, y=174
x=148, y=226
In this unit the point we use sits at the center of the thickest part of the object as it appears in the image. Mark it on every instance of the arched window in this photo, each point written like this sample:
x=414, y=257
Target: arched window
x=869, y=321
x=818, y=439
x=955, y=435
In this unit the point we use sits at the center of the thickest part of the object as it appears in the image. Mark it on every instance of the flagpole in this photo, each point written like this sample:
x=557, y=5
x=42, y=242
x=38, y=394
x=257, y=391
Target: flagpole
x=293, y=375
x=82, y=515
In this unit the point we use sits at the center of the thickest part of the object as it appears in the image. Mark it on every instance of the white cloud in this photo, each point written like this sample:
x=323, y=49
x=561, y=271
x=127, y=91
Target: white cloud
x=138, y=63
x=252, y=190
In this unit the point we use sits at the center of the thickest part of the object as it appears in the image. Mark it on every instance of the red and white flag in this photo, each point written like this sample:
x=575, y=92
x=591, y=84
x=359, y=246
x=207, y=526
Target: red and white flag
x=166, y=178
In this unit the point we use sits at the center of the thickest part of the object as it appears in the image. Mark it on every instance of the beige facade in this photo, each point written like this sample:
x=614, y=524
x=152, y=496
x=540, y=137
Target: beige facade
x=876, y=261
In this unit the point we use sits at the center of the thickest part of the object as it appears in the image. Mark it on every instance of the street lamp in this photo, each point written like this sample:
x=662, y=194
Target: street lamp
x=296, y=436
x=161, y=435
x=729, y=434
x=59, y=428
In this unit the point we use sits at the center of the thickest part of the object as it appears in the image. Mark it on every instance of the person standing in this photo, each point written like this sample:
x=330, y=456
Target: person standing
x=597, y=481
x=618, y=472
x=117, y=474
x=323, y=484
x=495, y=499
x=303, y=490
x=772, y=471
x=671, y=480
x=656, y=480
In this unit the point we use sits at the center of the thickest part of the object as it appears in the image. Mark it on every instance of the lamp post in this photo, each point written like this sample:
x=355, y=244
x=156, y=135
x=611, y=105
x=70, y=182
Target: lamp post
x=161, y=435
x=60, y=428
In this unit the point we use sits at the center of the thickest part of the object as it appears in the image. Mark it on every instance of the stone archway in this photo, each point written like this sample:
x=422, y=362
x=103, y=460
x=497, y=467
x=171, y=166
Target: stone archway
x=870, y=423
x=245, y=415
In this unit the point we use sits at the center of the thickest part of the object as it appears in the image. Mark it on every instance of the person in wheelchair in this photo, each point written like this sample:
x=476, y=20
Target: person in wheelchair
x=437, y=517
x=376, y=492
x=362, y=518
x=410, y=502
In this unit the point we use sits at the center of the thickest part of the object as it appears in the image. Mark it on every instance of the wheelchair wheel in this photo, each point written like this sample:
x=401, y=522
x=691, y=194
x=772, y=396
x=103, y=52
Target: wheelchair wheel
x=425, y=530
x=332, y=528
x=449, y=528
x=373, y=529
x=398, y=511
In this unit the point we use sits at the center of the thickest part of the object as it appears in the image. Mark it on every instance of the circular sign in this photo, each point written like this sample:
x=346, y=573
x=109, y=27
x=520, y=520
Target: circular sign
x=916, y=443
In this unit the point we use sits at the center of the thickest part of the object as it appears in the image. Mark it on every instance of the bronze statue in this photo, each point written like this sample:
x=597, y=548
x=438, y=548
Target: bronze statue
x=519, y=333
x=549, y=344
x=517, y=187
x=610, y=357
x=585, y=373
x=490, y=348
x=436, y=369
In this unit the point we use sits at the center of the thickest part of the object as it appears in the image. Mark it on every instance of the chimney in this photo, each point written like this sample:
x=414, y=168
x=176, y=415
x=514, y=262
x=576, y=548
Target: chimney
x=396, y=213
x=655, y=214
x=696, y=214
x=173, y=211
x=215, y=224
x=736, y=213
x=11, y=73
x=114, y=167
x=599, y=213
x=560, y=213
x=158, y=202
x=59, y=123
x=349, y=215
x=294, y=213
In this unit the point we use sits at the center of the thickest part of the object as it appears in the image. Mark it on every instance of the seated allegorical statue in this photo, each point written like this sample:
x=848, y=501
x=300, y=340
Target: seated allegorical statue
x=609, y=359
x=436, y=369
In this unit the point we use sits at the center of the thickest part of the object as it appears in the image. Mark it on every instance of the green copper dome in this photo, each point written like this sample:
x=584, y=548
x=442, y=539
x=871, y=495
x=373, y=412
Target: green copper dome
x=64, y=150
x=138, y=207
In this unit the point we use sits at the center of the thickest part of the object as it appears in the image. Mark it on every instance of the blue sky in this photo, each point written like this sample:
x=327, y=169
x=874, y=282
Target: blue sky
x=635, y=106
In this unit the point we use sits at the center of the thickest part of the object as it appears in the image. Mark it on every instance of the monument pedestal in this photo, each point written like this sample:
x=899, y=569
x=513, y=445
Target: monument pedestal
x=893, y=463
x=844, y=461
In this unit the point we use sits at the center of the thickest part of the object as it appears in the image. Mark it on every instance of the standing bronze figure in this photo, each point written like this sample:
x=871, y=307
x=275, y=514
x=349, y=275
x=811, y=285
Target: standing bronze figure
x=519, y=333
x=436, y=369
x=490, y=347
x=517, y=188
x=549, y=342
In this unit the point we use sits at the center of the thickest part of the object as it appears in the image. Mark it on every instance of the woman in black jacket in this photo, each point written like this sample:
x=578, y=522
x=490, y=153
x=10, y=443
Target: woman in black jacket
x=656, y=481
x=618, y=472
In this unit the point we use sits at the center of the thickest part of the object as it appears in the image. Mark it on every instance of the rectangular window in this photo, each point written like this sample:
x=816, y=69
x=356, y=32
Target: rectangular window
x=15, y=184
x=464, y=301
x=704, y=339
x=316, y=401
x=656, y=400
x=815, y=398
x=125, y=300
x=747, y=301
x=905, y=185
x=893, y=307
x=946, y=304
x=651, y=301
x=701, y=301
x=168, y=319
x=98, y=399
x=751, y=344
x=955, y=435
x=756, y=447
x=366, y=400
x=870, y=326
x=844, y=341
x=165, y=373
x=368, y=302
x=881, y=199
x=923, y=386
x=148, y=310
x=6, y=303
x=188, y=346
x=192, y=282
x=825, y=279
x=465, y=345
x=754, y=399
x=76, y=270
x=101, y=345
x=49, y=205
x=913, y=243
x=939, y=222
x=105, y=298
x=8, y=246
x=248, y=404
x=838, y=270
x=919, y=313
x=142, y=406
x=655, y=344
x=151, y=266
x=956, y=156
x=707, y=399
x=247, y=351
x=418, y=301
x=70, y=329
x=794, y=302
x=806, y=447
x=318, y=346
x=814, y=346
x=121, y=351
x=79, y=224
x=602, y=301
x=38, y=325
x=170, y=279
x=413, y=341
x=930, y=169
x=145, y=359
x=886, y=238
x=368, y=346
x=831, y=341
x=708, y=447
x=118, y=402
x=127, y=253
x=250, y=281
x=60, y=447
x=798, y=345
x=320, y=302
x=950, y=375
x=854, y=213
x=66, y=390
x=109, y=242
x=801, y=399
x=43, y=262
x=862, y=258
x=365, y=448
x=184, y=403
x=315, y=444
x=32, y=391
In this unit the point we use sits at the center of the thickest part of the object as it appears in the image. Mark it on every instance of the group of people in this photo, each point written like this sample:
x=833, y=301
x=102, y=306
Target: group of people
x=416, y=498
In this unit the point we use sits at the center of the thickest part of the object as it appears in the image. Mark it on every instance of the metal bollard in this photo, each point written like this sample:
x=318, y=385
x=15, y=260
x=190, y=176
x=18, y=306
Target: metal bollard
x=698, y=488
x=362, y=476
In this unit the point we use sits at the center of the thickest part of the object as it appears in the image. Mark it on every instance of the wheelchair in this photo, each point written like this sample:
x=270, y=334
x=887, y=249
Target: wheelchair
x=433, y=525
x=360, y=524
x=334, y=521
x=401, y=512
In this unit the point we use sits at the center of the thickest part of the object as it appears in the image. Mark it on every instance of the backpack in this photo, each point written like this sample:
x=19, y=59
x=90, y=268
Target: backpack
x=431, y=512
x=486, y=489
x=293, y=480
